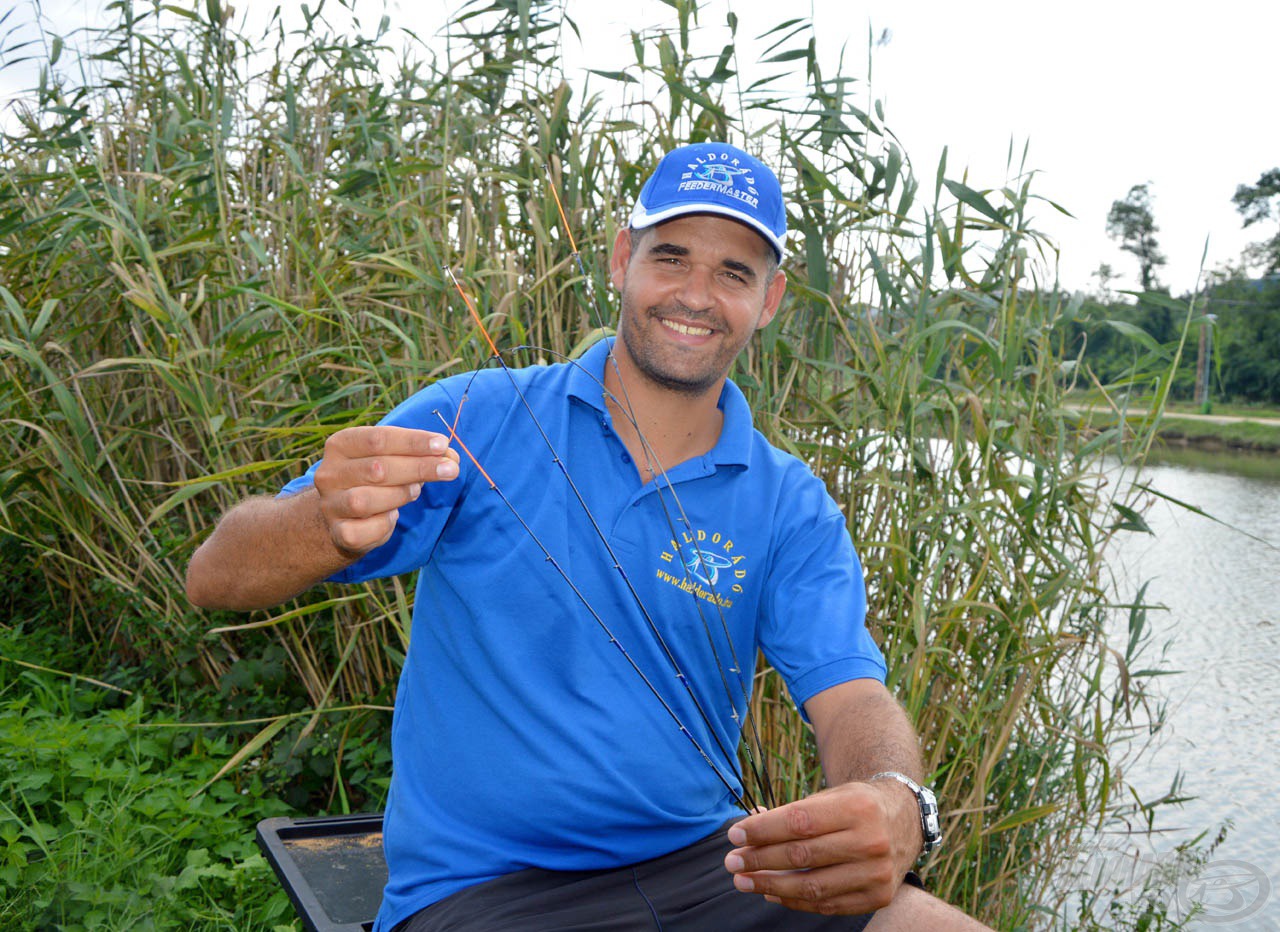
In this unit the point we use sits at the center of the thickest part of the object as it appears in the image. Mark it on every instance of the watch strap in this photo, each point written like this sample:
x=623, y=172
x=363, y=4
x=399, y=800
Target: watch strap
x=930, y=819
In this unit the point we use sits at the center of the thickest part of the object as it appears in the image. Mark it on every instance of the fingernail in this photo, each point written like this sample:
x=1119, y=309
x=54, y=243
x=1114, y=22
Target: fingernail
x=744, y=884
x=439, y=444
x=415, y=490
x=447, y=470
x=773, y=899
x=737, y=835
x=734, y=863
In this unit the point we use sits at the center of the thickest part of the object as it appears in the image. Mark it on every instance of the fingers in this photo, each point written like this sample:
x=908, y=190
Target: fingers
x=849, y=889
x=369, y=473
x=362, y=518
x=385, y=455
x=369, y=501
x=385, y=440
x=823, y=813
x=829, y=853
x=356, y=536
x=807, y=854
x=389, y=470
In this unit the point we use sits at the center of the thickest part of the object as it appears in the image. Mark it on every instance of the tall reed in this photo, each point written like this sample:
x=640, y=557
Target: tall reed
x=210, y=263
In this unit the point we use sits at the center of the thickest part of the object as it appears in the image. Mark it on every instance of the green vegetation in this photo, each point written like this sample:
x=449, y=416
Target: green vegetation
x=1259, y=202
x=1248, y=464
x=210, y=263
x=100, y=830
x=1252, y=412
x=1242, y=427
x=1238, y=315
x=1240, y=435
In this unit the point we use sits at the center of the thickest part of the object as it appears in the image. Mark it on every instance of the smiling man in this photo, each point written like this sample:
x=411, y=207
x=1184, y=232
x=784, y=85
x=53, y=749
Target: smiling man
x=572, y=683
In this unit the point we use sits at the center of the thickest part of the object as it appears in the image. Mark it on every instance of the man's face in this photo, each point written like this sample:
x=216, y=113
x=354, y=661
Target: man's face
x=694, y=290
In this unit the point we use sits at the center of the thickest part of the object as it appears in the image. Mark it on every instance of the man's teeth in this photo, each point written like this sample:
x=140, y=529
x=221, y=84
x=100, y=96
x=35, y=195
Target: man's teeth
x=687, y=330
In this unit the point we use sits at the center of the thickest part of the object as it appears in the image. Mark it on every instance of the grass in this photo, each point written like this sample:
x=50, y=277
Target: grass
x=210, y=263
x=1225, y=409
x=1242, y=435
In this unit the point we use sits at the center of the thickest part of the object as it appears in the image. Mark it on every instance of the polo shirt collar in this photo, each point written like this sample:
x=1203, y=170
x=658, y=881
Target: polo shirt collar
x=586, y=381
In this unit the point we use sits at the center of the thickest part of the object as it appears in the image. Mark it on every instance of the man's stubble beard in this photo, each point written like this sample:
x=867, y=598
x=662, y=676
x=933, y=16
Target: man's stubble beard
x=667, y=374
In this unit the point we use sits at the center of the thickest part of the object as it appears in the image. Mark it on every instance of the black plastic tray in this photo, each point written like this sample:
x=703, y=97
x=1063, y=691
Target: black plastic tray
x=332, y=868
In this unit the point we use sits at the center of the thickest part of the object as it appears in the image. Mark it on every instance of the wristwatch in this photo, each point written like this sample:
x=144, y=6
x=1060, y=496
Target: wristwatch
x=930, y=822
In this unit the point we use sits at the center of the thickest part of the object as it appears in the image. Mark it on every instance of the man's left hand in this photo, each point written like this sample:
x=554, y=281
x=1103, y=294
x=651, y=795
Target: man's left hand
x=844, y=850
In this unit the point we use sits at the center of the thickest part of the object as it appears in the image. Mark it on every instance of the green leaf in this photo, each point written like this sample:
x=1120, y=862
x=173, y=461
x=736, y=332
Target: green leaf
x=787, y=24
x=1133, y=332
x=1022, y=817
x=613, y=75
x=256, y=743
x=792, y=55
x=1159, y=300
x=1132, y=520
x=967, y=195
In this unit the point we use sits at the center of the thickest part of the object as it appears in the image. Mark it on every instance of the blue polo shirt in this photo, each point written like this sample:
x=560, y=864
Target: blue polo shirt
x=524, y=735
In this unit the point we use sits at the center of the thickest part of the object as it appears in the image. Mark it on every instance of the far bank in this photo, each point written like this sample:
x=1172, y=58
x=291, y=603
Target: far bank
x=1213, y=432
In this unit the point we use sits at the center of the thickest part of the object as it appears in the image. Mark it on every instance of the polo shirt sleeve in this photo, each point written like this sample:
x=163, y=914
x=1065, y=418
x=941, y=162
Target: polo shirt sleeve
x=813, y=629
x=420, y=522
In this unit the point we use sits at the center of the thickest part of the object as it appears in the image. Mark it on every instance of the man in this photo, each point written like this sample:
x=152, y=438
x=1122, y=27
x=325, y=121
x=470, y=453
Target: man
x=572, y=680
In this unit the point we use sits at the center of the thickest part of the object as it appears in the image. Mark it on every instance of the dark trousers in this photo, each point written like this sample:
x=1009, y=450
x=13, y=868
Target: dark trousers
x=685, y=891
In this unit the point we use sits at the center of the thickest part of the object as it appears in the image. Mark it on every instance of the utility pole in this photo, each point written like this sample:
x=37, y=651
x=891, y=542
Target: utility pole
x=1200, y=371
x=1202, y=362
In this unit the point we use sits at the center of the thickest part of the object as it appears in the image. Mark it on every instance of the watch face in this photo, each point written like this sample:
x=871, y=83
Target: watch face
x=929, y=819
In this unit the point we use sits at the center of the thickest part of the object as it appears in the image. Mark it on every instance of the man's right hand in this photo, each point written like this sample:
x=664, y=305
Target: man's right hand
x=369, y=473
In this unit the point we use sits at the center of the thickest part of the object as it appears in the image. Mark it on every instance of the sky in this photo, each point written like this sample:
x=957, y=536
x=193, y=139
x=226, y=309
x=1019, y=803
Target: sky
x=1103, y=95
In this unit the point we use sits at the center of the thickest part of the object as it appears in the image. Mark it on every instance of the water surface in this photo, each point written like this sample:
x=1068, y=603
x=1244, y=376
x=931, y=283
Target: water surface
x=1219, y=581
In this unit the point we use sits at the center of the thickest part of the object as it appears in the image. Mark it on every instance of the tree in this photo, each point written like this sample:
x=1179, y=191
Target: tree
x=1247, y=339
x=1257, y=203
x=1132, y=222
x=1105, y=275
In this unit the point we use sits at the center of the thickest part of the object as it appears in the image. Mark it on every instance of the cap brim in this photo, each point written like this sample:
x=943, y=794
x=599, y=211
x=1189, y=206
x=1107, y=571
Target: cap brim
x=642, y=219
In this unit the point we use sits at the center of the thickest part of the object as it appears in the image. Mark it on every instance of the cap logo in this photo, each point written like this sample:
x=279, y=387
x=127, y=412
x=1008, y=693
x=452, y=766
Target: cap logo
x=714, y=178
x=720, y=173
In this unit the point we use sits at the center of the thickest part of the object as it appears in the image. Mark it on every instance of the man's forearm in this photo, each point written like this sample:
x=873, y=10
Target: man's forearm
x=862, y=731
x=263, y=552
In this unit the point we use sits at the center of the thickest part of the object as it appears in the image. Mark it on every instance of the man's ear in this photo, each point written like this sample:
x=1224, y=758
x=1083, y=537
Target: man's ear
x=772, y=298
x=620, y=257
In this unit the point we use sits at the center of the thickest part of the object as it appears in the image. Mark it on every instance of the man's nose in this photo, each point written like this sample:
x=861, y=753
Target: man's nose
x=696, y=288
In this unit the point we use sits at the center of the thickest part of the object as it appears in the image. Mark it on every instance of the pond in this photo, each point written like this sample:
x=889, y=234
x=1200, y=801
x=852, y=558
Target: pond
x=1218, y=580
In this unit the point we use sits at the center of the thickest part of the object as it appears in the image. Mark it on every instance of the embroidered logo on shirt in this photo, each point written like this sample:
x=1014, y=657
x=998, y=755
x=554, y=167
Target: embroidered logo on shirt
x=704, y=564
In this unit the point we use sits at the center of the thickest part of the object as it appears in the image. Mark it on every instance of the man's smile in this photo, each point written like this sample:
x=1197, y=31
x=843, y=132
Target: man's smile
x=689, y=330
